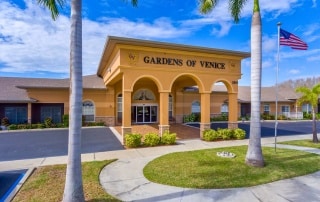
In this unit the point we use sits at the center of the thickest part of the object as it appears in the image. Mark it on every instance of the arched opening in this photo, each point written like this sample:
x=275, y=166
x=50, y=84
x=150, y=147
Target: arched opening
x=88, y=111
x=145, y=102
x=186, y=105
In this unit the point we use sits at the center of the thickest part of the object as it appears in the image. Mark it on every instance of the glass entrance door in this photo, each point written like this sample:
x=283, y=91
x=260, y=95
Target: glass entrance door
x=144, y=114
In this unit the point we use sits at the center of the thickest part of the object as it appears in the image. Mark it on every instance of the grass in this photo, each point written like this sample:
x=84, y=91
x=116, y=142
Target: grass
x=47, y=184
x=303, y=143
x=194, y=169
x=204, y=169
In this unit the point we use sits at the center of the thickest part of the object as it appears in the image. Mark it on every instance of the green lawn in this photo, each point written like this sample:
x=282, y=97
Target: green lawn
x=194, y=169
x=204, y=169
x=303, y=143
x=47, y=184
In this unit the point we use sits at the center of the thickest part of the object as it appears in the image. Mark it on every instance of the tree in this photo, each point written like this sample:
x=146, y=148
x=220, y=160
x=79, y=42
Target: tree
x=310, y=95
x=254, y=155
x=73, y=190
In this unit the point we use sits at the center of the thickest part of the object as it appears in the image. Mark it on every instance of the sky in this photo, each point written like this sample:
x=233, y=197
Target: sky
x=33, y=45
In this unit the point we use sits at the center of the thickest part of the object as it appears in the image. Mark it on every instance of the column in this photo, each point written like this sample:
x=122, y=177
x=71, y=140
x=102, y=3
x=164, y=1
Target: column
x=233, y=110
x=126, y=114
x=163, y=113
x=205, y=113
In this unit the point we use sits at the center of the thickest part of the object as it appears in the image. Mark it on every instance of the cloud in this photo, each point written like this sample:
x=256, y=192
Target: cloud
x=30, y=41
x=294, y=71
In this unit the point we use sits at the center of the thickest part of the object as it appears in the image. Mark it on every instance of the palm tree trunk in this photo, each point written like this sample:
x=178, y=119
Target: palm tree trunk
x=73, y=190
x=314, y=127
x=254, y=153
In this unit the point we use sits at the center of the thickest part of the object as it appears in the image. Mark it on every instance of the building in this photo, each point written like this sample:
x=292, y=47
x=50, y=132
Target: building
x=141, y=81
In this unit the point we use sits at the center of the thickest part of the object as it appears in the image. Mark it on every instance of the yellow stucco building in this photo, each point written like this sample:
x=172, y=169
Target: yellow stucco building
x=146, y=81
x=142, y=82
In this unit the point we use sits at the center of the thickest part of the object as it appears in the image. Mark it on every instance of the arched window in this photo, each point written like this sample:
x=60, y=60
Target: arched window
x=195, y=107
x=224, y=108
x=119, y=108
x=88, y=111
x=143, y=94
x=170, y=107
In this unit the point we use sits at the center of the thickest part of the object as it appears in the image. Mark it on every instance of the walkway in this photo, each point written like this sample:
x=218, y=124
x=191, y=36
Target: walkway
x=124, y=178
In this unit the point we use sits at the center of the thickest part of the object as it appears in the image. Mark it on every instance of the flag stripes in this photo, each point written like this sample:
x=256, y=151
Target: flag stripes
x=289, y=39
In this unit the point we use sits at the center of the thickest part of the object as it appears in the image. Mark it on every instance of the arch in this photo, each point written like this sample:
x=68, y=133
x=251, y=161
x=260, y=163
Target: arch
x=88, y=110
x=193, y=77
x=227, y=84
x=152, y=78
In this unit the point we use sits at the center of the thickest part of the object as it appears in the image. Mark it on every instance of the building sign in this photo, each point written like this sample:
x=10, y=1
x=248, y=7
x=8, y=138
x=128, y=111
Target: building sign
x=181, y=62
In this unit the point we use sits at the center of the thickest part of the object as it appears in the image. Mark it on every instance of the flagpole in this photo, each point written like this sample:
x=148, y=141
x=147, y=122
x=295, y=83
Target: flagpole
x=277, y=73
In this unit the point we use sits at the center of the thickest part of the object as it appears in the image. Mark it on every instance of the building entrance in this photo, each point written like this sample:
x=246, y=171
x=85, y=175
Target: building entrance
x=144, y=113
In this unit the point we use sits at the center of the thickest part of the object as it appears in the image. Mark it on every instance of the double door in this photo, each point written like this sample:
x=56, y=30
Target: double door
x=144, y=113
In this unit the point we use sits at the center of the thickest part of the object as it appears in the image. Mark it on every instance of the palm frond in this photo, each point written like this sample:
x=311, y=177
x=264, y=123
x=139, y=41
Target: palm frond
x=133, y=2
x=207, y=6
x=235, y=6
x=52, y=5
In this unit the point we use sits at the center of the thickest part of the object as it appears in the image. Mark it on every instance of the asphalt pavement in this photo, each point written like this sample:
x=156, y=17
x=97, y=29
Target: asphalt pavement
x=124, y=178
x=31, y=144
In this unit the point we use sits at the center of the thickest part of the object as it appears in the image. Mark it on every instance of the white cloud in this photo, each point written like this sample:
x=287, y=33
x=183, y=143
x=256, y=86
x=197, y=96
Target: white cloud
x=31, y=41
x=294, y=71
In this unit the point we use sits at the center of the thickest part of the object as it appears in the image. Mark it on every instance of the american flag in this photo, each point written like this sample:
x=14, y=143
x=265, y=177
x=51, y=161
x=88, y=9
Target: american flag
x=288, y=39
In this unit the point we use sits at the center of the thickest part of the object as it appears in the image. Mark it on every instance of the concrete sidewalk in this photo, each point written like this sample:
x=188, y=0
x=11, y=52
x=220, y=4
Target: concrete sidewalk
x=124, y=178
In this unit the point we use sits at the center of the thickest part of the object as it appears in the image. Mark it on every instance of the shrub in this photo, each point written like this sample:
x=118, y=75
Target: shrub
x=133, y=140
x=168, y=138
x=193, y=117
x=65, y=120
x=5, y=121
x=239, y=133
x=210, y=135
x=151, y=139
x=22, y=126
x=225, y=134
x=48, y=122
x=12, y=127
x=282, y=117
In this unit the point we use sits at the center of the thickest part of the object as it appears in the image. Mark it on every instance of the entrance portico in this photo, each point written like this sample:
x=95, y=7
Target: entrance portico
x=146, y=81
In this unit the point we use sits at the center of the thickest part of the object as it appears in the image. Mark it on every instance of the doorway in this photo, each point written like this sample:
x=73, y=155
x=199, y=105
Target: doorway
x=144, y=113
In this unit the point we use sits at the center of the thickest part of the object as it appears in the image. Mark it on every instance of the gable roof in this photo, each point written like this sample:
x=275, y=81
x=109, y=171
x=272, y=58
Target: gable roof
x=13, y=89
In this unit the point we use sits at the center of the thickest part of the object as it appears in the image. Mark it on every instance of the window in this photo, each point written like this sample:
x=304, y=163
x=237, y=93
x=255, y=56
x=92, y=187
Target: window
x=170, y=107
x=266, y=108
x=306, y=108
x=88, y=111
x=224, y=108
x=119, y=107
x=285, y=108
x=16, y=115
x=195, y=107
x=143, y=94
x=53, y=112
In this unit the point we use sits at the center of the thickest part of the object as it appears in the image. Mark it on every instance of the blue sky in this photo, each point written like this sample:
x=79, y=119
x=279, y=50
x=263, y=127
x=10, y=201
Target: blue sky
x=33, y=45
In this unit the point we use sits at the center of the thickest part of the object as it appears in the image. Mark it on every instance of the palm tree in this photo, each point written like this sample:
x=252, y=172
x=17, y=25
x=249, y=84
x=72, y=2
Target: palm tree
x=254, y=155
x=310, y=95
x=73, y=190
